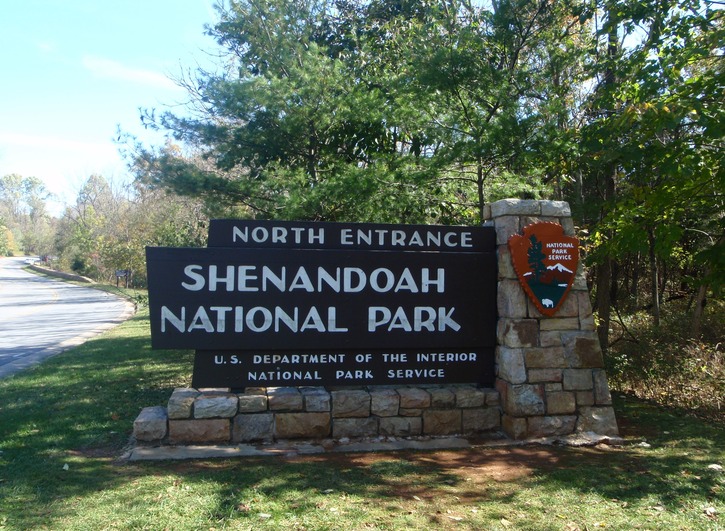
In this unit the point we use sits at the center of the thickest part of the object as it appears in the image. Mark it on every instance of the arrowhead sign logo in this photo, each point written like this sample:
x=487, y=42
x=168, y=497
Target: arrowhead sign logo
x=545, y=261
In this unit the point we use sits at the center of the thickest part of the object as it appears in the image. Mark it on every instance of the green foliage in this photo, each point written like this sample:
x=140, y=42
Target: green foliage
x=23, y=212
x=422, y=111
x=371, y=110
x=666, y=365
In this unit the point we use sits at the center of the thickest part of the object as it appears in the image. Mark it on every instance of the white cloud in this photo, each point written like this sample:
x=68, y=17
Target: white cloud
x=108, y=68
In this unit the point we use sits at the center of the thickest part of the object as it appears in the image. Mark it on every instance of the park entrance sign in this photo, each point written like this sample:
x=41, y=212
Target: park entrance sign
x=327, y=304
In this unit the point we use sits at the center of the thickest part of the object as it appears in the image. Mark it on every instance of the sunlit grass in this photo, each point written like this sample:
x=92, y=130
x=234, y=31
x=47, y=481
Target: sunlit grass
x=64, y=424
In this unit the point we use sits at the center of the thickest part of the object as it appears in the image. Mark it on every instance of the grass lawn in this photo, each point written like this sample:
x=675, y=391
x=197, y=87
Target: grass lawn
x=64, y=424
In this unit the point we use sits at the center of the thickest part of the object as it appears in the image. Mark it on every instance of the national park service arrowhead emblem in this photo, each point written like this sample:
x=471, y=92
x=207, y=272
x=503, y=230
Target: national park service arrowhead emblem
x=545, y=261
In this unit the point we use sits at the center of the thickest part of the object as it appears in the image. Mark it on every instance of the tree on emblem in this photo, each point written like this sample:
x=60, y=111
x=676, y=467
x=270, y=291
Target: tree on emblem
x=536, y=258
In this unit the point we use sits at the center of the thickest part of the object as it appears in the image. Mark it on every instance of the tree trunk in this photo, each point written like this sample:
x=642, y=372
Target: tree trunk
x=655, y=280
x=696, y=325
x=604, y=273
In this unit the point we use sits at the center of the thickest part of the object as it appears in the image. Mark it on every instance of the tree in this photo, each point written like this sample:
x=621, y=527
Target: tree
x=23, y=207
x=656, y=137
x=387, y=111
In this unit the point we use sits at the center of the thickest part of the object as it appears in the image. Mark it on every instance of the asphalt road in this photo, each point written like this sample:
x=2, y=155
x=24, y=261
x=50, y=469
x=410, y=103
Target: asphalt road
x=40, y=317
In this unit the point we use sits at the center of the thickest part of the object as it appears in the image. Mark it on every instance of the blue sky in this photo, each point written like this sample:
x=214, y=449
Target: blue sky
x=73, y=71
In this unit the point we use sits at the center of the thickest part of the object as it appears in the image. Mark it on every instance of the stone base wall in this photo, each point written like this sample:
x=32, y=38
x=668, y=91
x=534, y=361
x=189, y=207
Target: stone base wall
x=550, y=378
x=267, y=414
x=550, y=370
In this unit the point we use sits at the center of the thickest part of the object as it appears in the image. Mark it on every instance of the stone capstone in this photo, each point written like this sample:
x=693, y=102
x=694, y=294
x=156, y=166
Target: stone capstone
x=413, y=398
x=151, y=424
x=316, y=399
x=181, y=403
x=216, y=406
x=252, y=403
x=352, y=403
x=285, y=399
x=384, y=402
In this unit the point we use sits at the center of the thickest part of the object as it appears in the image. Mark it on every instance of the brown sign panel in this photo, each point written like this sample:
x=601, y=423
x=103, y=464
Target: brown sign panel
x=350, y=236
x=236, y=369
x=545, y=261
x=296, y=303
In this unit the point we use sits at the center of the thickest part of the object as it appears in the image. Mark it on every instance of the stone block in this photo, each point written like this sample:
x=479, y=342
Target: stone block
x=553, y=387
x=493, y=397
x=151, y=424
x=568, y=225
x=506, y=226
x=516, y=333
x=252, y=403
x=578, y=380
x=442, y=421
x=405, y=412
x=481, y=419
x=585, y=303
x=469, y=397
x=413, y=398
x=515, y=427
x=545, y=358
x=510, y=364
x=181, y=403
x=354, y=427
x=569, y=308
x=401, y=426
x=545, y=375
x=550, y=338
x=582, y=350
x=505, y=264
x=559, y=323
x=253, y=427
x=560, y=403
x=587, y=323
x=515, y=207
x=511, y=300
x=302, y=425
x=442, y=398
x=584, y=398
x=285, y=399
x=316, y=399
x=350, y=403
x=384, y=402
x=525, y=400
x=602, y=396
x=216, y=406
x=255, y=391
x=559, y=209
x=599, y=420
x=199, y=431
x=551, y=426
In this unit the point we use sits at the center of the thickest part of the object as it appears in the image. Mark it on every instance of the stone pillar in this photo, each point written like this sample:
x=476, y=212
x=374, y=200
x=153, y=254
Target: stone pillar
x=549, y=370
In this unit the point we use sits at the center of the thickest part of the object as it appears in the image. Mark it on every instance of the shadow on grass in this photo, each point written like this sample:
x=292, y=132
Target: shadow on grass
x=78, y=409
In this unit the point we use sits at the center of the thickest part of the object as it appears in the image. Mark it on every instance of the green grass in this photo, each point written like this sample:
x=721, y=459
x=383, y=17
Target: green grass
x=64, y=424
